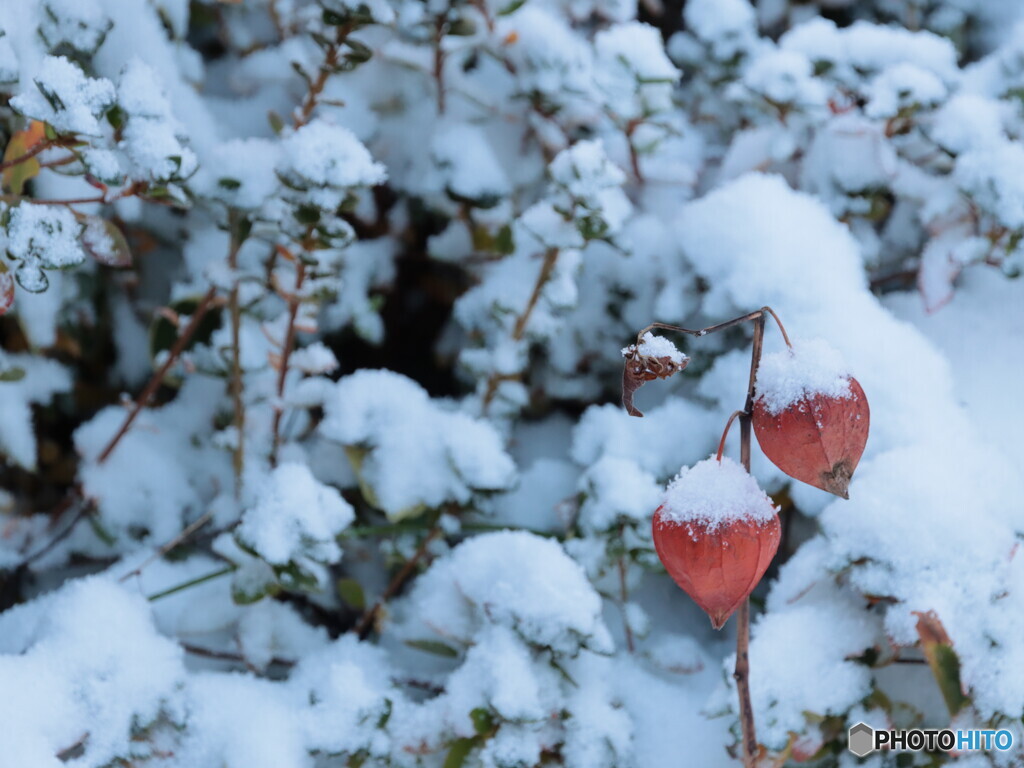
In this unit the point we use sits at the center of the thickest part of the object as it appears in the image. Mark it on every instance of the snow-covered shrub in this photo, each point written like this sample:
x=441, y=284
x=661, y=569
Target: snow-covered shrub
x=304, y=302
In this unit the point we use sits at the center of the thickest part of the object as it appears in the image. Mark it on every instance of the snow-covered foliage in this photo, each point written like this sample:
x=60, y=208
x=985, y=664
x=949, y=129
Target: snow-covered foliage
x=312, y=323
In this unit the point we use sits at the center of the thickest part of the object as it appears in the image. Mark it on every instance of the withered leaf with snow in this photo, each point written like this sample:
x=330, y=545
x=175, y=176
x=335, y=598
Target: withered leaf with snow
x=655, y=357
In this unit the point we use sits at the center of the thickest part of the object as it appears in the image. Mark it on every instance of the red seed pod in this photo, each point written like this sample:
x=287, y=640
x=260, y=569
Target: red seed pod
x=817, y=440
x=714, y=540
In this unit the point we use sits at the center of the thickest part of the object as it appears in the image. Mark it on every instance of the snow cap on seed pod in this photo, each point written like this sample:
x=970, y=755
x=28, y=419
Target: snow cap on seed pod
x=811, y=416
x=655, y=357
x=716, y=532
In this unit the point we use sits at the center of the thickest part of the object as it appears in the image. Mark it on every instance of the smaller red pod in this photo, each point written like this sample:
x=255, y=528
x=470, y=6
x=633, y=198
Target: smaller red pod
x=716, y=533
x=817, y=440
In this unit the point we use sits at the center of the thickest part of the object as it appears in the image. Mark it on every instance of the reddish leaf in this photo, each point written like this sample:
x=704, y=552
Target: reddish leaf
x=6, y=289
x=14, y=178
x=105, y=242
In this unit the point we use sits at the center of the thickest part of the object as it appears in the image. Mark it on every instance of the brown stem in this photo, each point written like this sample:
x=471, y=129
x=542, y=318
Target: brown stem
x=326, y=69
x=369, y=618
x=550, y=259
x=28, y=155
x=172, y=544
x=154, y=383
x=720, y=326
x=286, y=352
x=742, y=672
x=439, y=66
x=725, y=432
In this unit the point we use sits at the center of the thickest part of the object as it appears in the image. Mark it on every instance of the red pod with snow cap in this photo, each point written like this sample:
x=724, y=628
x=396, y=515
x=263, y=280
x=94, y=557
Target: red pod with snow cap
x=716, y=532
x=811, y=417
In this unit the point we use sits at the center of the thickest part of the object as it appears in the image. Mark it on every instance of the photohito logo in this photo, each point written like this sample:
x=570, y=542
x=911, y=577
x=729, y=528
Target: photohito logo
x=863, y=740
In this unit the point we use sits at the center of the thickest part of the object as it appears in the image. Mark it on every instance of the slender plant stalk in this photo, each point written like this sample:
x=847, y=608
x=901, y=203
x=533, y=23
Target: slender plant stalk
x=154, y=383
x=369, y=618
x=742, y=672
x=294, y=300
x=328, y=67
x=192, y=583
x=546, y=268
x=236, y=384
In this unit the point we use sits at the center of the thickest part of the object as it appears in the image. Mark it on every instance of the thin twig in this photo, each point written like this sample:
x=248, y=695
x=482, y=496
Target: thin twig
x=369, y=618
x=154, y=383
x=236, y=384
x=294, y=300
x=59, y=510
x=546, y=268
x=624, y=597
x=719, y=326
x=237, y=658
x=725, y=432
x=172, y=544
x=28, y=155
x=191, y=583
x=328, y=67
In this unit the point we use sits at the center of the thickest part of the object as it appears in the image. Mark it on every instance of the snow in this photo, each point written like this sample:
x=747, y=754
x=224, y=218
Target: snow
x=295, y=518
x=390, y=423
x=41, y=237
x=324, y=160
x=514, y=580
x=713, y=493
x=66, y=98
x=658, y=346
x=812, y=368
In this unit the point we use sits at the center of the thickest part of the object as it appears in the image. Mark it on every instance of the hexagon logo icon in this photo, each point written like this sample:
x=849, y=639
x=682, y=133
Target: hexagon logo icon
x=861, y=739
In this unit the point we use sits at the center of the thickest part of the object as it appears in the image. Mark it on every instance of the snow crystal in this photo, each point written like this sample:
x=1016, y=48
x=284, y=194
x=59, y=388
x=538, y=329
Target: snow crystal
x=66, y=98
x=658, y=346
x=728, y=26
x=469, y=164
x=390, y=425
x=785, y=77
x=866, y=47
x=43, y=379
x=326, y=160
x=511, y=579
x=633, y=70
x=993, y=176
x=85, y=660
x=616, y=490
x=42, y=237
x=295, y=518
x=151, y=136
x=968, y=121
x=901, y=87
x=713, y=493
x=243, y=174
x=811, y=368
x=807, y=650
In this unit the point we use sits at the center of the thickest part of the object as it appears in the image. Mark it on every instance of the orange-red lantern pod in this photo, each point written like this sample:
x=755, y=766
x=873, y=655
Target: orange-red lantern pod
x=811, y=418
x=716, y=533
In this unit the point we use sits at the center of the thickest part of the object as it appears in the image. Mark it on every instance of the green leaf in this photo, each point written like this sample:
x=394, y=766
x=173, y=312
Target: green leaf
x=433, y=646
x=458, y=753
x=483, y=720
x=942, y=659
x=12, y=374
x=228, y=183
x=351, y=592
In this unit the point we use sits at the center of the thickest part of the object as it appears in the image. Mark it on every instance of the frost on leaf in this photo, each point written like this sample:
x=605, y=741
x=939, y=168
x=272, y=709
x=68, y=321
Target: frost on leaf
x=40, y=237
x=66, y=98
